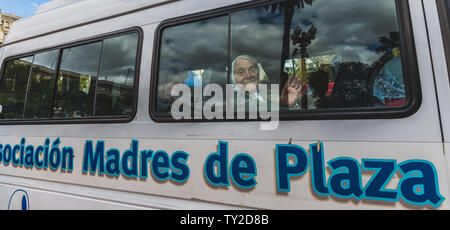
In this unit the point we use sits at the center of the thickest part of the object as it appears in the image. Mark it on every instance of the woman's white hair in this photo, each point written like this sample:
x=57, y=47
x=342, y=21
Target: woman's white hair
x=246, y=57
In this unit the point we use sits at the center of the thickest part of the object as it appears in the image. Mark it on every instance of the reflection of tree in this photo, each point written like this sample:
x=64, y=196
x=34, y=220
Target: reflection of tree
x=13, y=88
x=318, y=82
x=388, y=44
x=287, y=8
x=40, y=92
x=302, y=39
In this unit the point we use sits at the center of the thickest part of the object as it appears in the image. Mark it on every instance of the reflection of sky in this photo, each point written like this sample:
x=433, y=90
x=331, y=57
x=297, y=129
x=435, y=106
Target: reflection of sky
x=47, y=59
x=258, y=33
x=119, y=59
x=348, y=23
x=27, y=59
x=82, y=60
x=349, y=29
x=199, y=45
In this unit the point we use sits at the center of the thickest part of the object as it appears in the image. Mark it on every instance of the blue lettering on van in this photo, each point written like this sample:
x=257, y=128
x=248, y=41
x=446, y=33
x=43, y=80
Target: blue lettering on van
x=384, y=171
x=418, y=186
x=94, y=161
x=345, y=180
x=243, y=171
x=129, y=161
x=162, y=166
x=216, y=166
x=112, y=162
x=242, y=168
x=180, y=169
x=44, y=156
x=286, y=170
x=317, y=166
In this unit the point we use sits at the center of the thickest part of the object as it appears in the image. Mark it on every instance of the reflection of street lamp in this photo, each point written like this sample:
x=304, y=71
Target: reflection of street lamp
x=302, y=39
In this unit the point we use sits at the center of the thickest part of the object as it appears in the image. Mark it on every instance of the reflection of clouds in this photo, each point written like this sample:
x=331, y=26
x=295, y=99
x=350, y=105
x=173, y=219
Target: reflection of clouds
x=342, y=26
x=355, y=54
x=82, y=60
x=348, y=22
x=119, y=58
x=194, y=46
x=117, y=64
x=47, y=59
x=255, y=37
x=261, y=39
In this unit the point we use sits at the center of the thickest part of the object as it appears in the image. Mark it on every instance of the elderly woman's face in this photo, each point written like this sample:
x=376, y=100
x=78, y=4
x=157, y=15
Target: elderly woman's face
x=246, y=73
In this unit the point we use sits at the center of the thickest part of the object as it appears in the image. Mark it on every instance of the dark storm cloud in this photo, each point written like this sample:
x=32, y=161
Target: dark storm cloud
x=119, y=58
x=348, y=23
x=195, y=46
x=258, y=33
x=82, y=59
x=341, y=25
x=344, y=27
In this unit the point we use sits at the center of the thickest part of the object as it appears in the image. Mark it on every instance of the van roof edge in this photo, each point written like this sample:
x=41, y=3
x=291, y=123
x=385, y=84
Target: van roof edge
x=90, y=22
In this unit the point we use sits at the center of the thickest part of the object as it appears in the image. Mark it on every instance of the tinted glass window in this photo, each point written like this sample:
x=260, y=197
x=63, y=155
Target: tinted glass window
x=345, y=54
x=321, y=55
x=92, y=80
x=14, y=87
x=194, y=54
x=77, y=81
x=40, y=86
x=116, y=77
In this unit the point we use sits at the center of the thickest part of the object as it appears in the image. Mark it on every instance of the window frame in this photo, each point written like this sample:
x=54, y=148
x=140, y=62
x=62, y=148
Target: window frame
x=80, y=42
x=409, y=65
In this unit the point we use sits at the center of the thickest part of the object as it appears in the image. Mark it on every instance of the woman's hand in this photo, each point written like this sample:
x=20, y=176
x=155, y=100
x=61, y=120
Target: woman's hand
x=291, y=92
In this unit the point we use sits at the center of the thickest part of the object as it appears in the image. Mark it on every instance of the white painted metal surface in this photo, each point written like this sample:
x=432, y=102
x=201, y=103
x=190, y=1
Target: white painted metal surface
x=415, y=137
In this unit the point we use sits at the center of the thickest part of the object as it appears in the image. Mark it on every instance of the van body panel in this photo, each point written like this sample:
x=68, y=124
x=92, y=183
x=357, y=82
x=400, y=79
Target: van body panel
x=416, y=137
x=263, y=196
x=439, y=65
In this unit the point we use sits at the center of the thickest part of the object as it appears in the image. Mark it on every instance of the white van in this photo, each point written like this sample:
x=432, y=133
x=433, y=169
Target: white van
x=92, y=117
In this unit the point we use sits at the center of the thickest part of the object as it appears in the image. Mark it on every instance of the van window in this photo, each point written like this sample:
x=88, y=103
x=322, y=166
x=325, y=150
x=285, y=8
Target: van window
x=14, y=86
x=96, y=79
x=41, y=85
x=339, y=55
x=77, y=80
x=194, y=54
x=116, y=76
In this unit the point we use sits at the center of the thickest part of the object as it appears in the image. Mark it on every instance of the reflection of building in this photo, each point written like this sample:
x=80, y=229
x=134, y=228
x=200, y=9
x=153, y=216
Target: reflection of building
x=7, y=21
